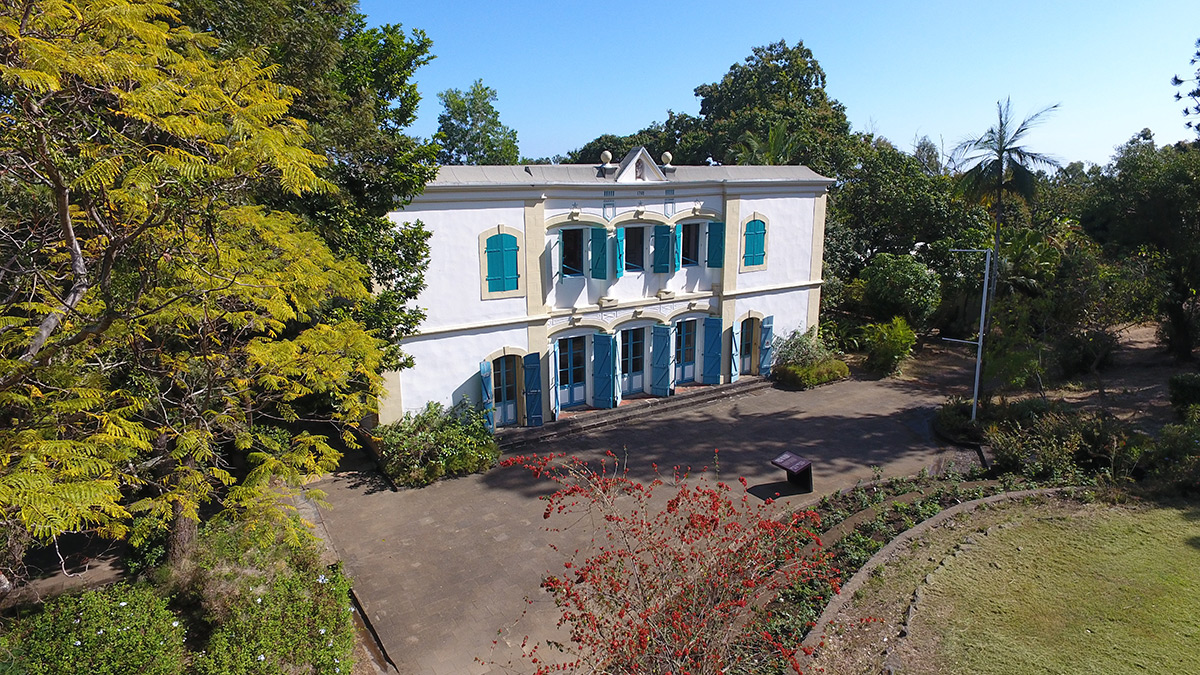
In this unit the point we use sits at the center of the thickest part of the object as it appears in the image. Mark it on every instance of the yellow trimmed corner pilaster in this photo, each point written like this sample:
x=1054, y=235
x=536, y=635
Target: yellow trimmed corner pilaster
x=535, y=298
x=729, y=274
x=817, y=266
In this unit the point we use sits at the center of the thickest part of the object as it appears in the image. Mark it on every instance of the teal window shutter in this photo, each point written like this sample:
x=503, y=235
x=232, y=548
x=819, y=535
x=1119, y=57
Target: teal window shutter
x=561, y=271
x=755, y=247
x=662, y=248
x=604, y=385
x=620, y=250
x=599, y=253
x=712, y=350
x=532, y=365
x=485, y=398
x=677, y=251
x=661, y=345
x=735, y=357
x=766, y=340
x=501, y=253
x=716, y=244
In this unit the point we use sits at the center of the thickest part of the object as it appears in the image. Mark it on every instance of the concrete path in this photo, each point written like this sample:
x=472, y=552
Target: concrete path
x=444, y=571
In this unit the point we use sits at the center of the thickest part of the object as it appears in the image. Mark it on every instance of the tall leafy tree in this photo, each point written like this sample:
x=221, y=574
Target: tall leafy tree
x=153, y=318
x=355, y=92
x=1146, y=205
x=470, y=128
x=776, y=84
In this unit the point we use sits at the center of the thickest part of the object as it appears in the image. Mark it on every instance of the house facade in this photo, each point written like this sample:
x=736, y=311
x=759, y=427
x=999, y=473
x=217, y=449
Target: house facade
x=555, y=287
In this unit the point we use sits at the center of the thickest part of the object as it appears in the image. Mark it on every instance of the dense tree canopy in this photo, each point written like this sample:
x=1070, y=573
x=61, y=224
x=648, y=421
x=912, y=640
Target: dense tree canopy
x=355, y=91
x=775, y=85
x=161, y=334
x=470, y=128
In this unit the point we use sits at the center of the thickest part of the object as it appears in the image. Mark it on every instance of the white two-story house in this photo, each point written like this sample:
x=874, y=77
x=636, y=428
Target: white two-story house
x=553, y=287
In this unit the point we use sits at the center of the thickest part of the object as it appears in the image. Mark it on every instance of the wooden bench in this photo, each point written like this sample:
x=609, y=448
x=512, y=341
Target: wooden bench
x=799, y=470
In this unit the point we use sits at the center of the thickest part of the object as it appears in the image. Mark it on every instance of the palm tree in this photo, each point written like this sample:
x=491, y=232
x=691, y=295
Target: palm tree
x=781, y=147
x=1001, y=165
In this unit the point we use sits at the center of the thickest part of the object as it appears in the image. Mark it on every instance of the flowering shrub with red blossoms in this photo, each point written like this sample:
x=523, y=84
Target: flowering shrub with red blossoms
x=672, y=583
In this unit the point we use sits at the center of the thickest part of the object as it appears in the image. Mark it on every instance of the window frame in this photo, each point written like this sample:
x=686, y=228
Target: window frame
x=485, y=293
x=690, y=239
x=744, y=264
x=639, y=266
x=582, y=270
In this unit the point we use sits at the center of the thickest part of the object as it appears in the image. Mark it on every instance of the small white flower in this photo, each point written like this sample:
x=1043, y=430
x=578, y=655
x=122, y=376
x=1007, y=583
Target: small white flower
x=322, y=631
x=100, y=632
x=261, y=657
x=322, y=579
x=122, y=603
x=330, y=644
x=77, y=643
x=258, y=600
x=175, y=624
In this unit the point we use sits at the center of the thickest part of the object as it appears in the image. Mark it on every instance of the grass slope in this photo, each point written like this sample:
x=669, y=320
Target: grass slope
x=1116, y=591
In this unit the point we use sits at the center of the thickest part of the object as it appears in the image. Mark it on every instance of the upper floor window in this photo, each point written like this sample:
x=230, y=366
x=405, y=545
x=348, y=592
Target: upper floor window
x=635, y=248
x=501, y=264
x=572, y=253
x=754, y=248
x=690, y=244
x=501, y=254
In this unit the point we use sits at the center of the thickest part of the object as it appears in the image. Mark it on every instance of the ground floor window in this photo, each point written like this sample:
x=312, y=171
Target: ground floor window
x=633, y=360
x=572, y=371
x=746, y=348
x=504, y=389
x=685, y=351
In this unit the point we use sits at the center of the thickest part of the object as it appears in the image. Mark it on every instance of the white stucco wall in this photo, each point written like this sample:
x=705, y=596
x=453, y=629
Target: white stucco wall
x=789, y=307
x=452, y=292
x=446, y=368
x=789, y=240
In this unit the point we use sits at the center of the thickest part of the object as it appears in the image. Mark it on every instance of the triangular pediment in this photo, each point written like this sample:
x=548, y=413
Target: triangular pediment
x=639, y=167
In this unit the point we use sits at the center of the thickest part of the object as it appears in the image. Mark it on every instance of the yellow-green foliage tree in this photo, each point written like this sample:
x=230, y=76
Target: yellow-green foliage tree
x=154, y=321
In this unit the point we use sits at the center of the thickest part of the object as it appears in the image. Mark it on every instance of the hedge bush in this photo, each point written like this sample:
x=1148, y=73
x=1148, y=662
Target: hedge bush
x=273, y=606
x=110, y=631
x=899, y=285
x=802, y=348
x=805, y=377
x=437, y=442
x=1184, y=391
x=888, y=344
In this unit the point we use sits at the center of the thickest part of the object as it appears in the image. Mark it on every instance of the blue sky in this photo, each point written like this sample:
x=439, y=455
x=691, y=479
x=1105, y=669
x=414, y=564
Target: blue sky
x=568, y=71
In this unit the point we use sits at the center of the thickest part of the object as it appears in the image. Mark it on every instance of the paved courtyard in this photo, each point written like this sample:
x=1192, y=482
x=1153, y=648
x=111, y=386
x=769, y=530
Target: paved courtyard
x=444, y=571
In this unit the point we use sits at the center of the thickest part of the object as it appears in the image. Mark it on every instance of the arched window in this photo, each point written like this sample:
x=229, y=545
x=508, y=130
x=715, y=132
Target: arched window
x=501, y=252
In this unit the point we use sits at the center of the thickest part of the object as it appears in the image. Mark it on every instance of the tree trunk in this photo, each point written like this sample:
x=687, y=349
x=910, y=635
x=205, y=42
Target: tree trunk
x=1178, y=331
x=182, y=540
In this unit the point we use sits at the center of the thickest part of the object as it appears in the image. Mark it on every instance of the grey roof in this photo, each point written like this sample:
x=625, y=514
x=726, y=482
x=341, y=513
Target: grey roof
x=592, y=174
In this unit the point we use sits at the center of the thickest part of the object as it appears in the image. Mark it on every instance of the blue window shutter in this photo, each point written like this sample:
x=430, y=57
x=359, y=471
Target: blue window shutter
x=620, y=245
x=662, y=342
x=604, y=351
x=561, y=272
x=510, y=248
x=755, y=246
x=716, y=244
x=677, y=251
x=662, y=248
x=489, y=406
x=712, y=350
x=554, y=404
x=599, y=253
x=766, y=338
x=501, y=250
x=735, y=356
x=532, y=367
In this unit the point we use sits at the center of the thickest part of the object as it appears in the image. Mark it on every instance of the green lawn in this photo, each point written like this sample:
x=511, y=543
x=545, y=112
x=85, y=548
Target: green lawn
x=1113, y=591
